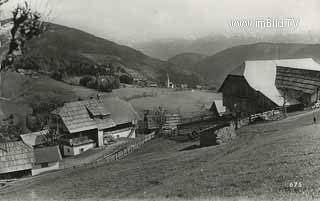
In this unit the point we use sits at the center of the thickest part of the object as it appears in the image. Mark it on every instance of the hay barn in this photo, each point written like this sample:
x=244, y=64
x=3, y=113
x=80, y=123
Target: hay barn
x=259, y=86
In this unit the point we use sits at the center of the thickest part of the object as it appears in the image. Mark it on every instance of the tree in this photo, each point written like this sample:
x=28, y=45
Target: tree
x=127, y=79
x=26, y=25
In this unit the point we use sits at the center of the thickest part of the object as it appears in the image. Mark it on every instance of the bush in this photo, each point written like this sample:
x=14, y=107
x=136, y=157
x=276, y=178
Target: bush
x=105, y=83
x=87, y=80
x=126, y=79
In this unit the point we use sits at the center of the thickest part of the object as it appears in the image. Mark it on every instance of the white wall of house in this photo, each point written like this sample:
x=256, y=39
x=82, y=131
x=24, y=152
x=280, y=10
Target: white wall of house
x=122, y=133
x=73, y=151
x=38, y=169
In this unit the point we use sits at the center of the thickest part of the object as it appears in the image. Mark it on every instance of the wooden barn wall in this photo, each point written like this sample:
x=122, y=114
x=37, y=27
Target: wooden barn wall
x=236, y=90
x=307, y=82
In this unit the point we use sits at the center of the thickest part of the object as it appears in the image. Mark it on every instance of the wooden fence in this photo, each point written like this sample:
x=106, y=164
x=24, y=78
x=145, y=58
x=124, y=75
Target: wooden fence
x=268, y=115
x=117, y=153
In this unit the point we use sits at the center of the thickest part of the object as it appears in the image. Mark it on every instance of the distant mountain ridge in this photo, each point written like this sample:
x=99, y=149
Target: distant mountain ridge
x=186, y=60
x=216, y=67
x=67, y=50
x=167, y=48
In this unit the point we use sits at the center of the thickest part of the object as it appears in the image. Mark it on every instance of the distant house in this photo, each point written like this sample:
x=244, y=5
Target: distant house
x=16, y=159
x=46, y=159
x=152, y=84
x=35, y=139
x=86, y=124
x=184, y=86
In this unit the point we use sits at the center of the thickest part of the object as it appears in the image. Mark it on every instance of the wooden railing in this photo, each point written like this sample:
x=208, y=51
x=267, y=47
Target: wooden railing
x=116, y=153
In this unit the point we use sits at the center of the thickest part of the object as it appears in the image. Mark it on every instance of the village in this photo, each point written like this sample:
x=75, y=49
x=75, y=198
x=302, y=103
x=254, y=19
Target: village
x=105, y=124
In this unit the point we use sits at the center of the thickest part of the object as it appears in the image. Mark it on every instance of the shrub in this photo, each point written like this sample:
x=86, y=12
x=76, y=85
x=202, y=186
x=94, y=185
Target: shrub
x=85, y=80
x=126, y=79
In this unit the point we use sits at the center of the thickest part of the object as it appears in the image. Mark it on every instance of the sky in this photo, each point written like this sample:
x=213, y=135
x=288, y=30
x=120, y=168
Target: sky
x=134, y=21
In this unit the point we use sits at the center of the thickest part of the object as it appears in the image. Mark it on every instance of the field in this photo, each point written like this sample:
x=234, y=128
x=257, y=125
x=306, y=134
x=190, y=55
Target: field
x=259, y=165
x=25, y=90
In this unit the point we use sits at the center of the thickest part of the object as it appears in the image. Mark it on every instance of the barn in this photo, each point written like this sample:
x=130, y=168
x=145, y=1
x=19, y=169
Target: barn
x=263, y=85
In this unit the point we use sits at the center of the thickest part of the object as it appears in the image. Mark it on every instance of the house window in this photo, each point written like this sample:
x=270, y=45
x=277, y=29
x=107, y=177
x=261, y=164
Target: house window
x=44, y=165
x=82, y=150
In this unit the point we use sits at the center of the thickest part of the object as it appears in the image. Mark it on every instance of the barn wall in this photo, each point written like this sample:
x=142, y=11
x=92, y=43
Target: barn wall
x=236, y=90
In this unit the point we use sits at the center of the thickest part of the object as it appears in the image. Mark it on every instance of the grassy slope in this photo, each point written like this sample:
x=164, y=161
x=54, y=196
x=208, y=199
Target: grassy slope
x=46, y=89
x=64, y=47
x=216, y=67
x=186, y=103
x=186, y=60
x=258, y=165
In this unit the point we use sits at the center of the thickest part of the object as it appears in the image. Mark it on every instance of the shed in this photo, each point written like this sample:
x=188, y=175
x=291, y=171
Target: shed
x=16, y=158
x=46, y=159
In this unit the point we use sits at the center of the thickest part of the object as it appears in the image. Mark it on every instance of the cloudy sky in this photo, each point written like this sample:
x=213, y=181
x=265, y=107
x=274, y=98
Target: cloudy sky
x=130, y=21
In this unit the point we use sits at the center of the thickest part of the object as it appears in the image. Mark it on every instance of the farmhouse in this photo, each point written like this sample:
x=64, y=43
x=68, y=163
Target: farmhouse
x=46, y=159
x=84, y=125
x=16, y=159
x=258, y=86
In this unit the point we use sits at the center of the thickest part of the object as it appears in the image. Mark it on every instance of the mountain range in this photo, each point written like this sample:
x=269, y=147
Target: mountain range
x=76, y=53
x=165, y=49
x=216, y=67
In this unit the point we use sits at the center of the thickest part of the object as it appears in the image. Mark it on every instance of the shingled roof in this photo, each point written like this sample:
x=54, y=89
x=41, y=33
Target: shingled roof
x=261, y=75
x=15, y=156
x=47, y=155
x=81, y=115
x=35, y=138
x=121, y=111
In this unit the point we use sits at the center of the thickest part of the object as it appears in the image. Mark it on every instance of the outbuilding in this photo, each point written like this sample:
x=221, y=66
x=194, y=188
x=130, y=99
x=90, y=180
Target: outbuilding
x=46, y=159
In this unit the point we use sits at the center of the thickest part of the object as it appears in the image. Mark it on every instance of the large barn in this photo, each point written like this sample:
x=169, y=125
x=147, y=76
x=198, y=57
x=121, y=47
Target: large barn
x=259, y=86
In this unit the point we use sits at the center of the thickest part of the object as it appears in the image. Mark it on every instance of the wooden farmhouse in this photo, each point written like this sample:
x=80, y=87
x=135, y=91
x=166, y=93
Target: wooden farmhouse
x=16, y=159
x=83, y=125
x=259, y=86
